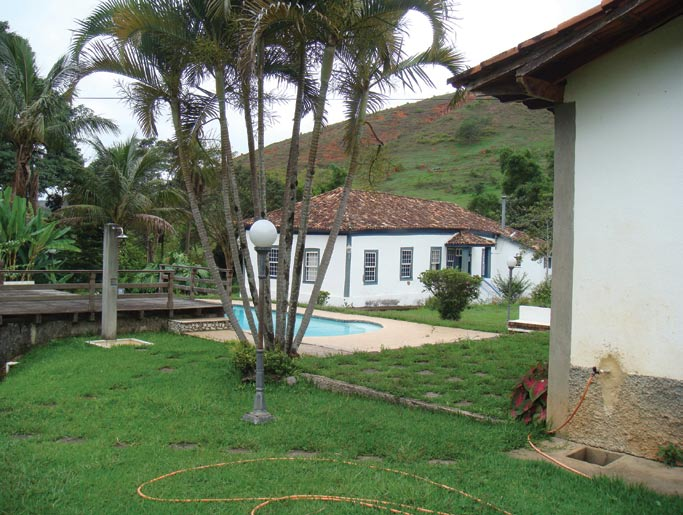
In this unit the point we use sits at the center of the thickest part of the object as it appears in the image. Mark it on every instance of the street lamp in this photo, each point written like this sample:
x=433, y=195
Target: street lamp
x=262, y=234
x=511, y=263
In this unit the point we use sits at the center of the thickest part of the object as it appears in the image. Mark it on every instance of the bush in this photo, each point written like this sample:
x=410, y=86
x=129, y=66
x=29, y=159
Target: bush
x=452, y=291
x=276, y=364
x=540, y=295
x=473, y=129
x=323, y=297
x=671, y=454
x=512, y=289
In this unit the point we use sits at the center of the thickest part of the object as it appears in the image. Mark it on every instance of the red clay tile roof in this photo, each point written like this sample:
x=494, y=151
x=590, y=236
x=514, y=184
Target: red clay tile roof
x=534, y=71
x=467, y=239
x=376, y=211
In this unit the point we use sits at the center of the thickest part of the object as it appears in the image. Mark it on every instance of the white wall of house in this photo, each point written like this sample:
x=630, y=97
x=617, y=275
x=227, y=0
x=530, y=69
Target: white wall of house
x=390, y=288
x=534, y=269
x=628, y=209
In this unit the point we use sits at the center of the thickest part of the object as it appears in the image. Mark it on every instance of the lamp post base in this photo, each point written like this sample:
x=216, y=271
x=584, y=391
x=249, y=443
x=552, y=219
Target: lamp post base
x=258, y=417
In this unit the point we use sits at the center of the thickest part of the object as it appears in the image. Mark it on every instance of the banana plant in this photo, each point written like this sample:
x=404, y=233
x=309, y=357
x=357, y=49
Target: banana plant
x=27, y=239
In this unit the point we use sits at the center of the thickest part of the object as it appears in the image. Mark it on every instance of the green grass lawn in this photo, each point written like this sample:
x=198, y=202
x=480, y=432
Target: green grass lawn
x=81, y=427
x=477, y=376
x=478, y=317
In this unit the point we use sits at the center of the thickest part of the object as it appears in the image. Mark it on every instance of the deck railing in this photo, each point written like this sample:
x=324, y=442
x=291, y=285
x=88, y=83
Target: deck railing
x=165, y=281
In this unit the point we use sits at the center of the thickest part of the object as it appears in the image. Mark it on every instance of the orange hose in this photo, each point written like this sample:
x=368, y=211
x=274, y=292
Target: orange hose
x=566, y=422
x=389, y=506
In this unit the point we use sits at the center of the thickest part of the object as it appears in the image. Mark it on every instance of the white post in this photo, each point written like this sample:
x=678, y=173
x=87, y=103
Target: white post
x=110, y=280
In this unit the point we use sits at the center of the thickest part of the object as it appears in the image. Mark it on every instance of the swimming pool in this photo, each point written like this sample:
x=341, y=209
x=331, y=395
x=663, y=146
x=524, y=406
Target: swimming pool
x=318, y=326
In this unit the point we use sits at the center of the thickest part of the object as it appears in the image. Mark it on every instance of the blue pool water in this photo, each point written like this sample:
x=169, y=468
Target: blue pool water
x=318, y=326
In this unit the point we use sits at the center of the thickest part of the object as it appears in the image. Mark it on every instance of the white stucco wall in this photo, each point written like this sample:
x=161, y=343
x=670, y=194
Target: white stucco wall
x=628, y=249
x=390, y=289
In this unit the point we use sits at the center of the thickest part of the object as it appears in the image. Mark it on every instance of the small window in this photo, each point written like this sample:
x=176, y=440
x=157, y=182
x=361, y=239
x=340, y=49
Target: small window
x=435, y=258
x=370, y=267
x=311, y=261
x=272, y=261
x=406, y=263
x=548, y=262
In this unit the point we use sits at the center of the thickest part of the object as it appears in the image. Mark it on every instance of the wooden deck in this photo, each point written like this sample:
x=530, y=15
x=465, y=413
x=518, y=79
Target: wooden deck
x=36, y=304
x=175, y=289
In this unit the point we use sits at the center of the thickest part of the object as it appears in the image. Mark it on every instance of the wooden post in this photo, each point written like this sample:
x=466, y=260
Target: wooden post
x=2, y=272
x=193, y=273
x=91, y=294
x=169, y=302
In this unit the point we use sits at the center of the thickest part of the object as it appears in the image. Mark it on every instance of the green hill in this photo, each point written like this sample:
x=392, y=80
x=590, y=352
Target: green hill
x=430, y=151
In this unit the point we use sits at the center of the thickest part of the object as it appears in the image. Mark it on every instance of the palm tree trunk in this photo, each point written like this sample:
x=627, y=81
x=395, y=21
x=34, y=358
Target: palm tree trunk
x=325, y=75
x=231, y=202
x=289, y=203
x=186, y=172
x=22, y=173
x=339, y=218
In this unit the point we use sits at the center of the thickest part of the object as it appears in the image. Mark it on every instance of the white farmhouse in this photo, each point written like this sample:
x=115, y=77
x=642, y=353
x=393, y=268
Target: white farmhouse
x=614, y=78
x=386, y=241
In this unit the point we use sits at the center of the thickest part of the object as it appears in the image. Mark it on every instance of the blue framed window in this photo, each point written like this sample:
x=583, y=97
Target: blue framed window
x=406, y=267
x=272, y=261
x=370, y=261
x=435, y=258
x=311, y=262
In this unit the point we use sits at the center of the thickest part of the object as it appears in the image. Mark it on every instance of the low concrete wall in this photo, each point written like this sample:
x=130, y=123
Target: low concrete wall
x=19, y=337
x=625, y=413
x=197, y=325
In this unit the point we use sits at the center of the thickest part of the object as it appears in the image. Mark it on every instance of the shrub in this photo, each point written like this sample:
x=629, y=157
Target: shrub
x=541, y=294
x=276, y=364
x=473, y=129
x=323, y=297
x=452, y=291
x=512, y=288
x=671, y=454
x=530, y=395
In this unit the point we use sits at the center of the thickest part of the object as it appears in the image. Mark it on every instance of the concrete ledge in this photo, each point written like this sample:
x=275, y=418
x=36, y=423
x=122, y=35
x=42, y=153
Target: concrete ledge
x=325, y=383
x=196, y=325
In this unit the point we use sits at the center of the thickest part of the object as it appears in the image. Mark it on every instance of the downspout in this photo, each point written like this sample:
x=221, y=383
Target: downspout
x=347, y=270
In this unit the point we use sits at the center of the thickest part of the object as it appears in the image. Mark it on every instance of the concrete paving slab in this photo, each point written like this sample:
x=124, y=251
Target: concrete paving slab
x=394, y=334
x=634, y=470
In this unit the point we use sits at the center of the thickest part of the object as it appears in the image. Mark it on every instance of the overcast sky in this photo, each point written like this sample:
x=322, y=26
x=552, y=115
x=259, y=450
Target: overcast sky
x=484, y=29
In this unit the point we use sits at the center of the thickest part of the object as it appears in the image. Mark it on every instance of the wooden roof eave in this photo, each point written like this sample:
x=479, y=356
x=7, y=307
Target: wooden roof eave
x=530, y=72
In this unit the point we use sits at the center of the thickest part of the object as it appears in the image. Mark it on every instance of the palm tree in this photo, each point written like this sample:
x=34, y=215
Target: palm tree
x=34, y=110
x=374, y=59
x=122, y=186
x=151, y=43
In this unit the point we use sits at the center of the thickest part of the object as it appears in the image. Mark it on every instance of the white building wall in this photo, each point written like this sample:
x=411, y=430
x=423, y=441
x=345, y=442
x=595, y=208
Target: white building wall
x=505, y=248
x=628, y=210
x=390, y=289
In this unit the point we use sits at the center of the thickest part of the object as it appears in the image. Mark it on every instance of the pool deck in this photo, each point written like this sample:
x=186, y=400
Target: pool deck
x=394, y=334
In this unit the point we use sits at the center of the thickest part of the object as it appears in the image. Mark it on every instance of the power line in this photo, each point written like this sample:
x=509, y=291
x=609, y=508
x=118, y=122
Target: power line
x=435, y=99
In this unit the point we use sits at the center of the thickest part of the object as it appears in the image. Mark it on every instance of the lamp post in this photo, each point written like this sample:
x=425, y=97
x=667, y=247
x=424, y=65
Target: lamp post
x=511, y=263
x=110, y=278
x=262, y=234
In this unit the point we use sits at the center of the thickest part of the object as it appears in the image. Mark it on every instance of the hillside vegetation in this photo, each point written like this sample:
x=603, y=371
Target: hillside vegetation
x=430, y=151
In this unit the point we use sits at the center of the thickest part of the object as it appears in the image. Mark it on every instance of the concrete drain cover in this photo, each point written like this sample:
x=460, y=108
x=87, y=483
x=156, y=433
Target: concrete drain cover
x=594, y=456
x=108, y=344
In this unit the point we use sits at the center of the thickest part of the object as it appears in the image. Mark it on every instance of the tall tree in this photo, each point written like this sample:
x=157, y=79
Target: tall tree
x=122, y=186
x=34, y=110
x=372, y=63
x=152, y=43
